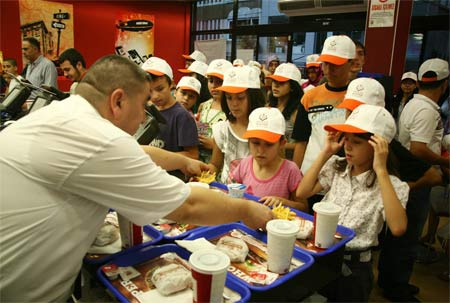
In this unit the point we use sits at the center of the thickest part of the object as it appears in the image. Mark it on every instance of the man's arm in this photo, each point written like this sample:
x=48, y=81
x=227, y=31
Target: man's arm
x=429, y=179
x=421, y=151
x=51, y=75
x=206, y=207
x=301, y=133
x=173, y=161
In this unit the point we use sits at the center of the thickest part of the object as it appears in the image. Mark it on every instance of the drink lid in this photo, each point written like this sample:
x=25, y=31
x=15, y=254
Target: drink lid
x=236, y=186
x=209, y=261
x=327, y=208
x=282, y=227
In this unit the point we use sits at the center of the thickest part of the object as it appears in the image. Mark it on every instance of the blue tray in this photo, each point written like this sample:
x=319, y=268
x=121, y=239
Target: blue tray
x=180, y=236
x=149, y=230
x=217, y=231
x=347, y=233
x=134, y=257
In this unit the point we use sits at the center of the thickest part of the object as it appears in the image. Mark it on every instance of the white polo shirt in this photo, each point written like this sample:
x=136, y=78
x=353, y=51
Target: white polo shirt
x=420, y=121
x=61, y=169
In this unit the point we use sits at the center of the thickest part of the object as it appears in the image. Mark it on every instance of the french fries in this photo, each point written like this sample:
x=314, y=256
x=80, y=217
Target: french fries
x=283, y=212
x=206, y=177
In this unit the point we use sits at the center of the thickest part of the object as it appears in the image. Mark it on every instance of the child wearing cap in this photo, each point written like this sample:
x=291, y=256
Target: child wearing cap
x=286, y=94
x=265, y=173
x=179, y=134
x=242, y=95
x=210, y=112
x=187, y=92
x=396, y=259
x=194, y=56
x=408, y=87
x=364, y=186
x=272, y=63
x=314, y=72
x=198, y=70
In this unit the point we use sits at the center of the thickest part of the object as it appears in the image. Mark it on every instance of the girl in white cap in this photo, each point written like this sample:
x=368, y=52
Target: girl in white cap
x=210, y=112
x=408, y=87
x=188, y=92
x=242, y=95
x=265, y=173
x=285, y=95
x=364, y=186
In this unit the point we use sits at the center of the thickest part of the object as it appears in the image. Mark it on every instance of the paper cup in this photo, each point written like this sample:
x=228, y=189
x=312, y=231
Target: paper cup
x=209, y=272
x=236, y=190
x=281, y=235
x=326, y=216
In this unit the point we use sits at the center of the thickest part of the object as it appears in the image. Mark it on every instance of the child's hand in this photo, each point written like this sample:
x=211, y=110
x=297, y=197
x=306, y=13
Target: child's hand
x=270, y=201
x=332, y=143
x=206, y=142
x=380, y=153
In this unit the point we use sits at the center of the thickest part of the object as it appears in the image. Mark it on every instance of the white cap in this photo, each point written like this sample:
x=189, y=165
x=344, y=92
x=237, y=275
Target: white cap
x=266, y=123
x=157, y=66
x=409, y=75
x=338, y=50
x=189, y=83
x=198, y=67
x=311, y=61
x=238, y=62
x=196, y=56
x=285, y=72
x=218, y=67
x=368, y=118
x=363, y=91
x=438, y=67
x=239, y=78
x=254, y=63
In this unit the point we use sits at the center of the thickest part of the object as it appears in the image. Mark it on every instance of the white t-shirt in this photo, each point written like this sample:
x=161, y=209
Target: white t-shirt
x=232, y=146
x=362, y=206
x=61, y=169
x=420, y=121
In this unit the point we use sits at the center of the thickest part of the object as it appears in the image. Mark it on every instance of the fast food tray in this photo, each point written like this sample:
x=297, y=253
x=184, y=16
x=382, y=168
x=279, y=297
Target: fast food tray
x=344, y=234
x=137, y=256
x=156, y=236
x=213, y=233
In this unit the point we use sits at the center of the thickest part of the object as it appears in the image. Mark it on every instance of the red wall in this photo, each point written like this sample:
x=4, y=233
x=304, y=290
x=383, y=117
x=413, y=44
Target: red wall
x=94, y=28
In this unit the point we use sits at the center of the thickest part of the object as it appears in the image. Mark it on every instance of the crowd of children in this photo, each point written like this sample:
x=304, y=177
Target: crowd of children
x=296, y=141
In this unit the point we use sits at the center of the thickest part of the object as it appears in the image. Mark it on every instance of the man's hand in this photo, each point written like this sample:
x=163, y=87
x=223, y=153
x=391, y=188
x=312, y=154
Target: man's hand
x=257, y=215
x=193, y=167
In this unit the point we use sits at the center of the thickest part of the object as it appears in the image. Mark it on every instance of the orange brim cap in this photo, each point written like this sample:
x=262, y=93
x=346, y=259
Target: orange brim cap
x=185, y=71
x=262, y=134
x=232, y=89
x=345, y=128
x=332, y=59
x=350, y=104
x=188, y=88
x=315, y=64
x=433, y=79
x=278, y=78
x=220, y=76
x=187, y=57
x=154, y=72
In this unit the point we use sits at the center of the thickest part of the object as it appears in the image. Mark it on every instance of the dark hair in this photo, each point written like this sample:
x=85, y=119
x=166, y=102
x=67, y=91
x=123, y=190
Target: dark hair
x=73, y=56
x=295, y=95
x=12, y=61
x=360, y=45
x=112, y=72
x=255, y=99
x=153, y=77
x=33, y=41
x=341, y=164
x=430, y=85
x=204, y=91
x=398, y=99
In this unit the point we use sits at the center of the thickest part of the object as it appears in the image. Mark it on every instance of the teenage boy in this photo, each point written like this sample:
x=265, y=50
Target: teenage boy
x=318, y=105
x=179, y=134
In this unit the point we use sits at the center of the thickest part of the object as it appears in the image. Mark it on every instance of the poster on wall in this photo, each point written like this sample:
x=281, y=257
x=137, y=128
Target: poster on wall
x=381, y=13
x=49, y=22
x=213, y=49
x=135, y=36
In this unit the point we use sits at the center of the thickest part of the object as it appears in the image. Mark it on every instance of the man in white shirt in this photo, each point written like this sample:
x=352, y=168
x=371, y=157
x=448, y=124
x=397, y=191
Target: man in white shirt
x=62, y=168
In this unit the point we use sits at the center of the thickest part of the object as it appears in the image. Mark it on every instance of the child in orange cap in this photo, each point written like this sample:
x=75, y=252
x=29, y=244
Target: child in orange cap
x=364, y=186
x=265, y=173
